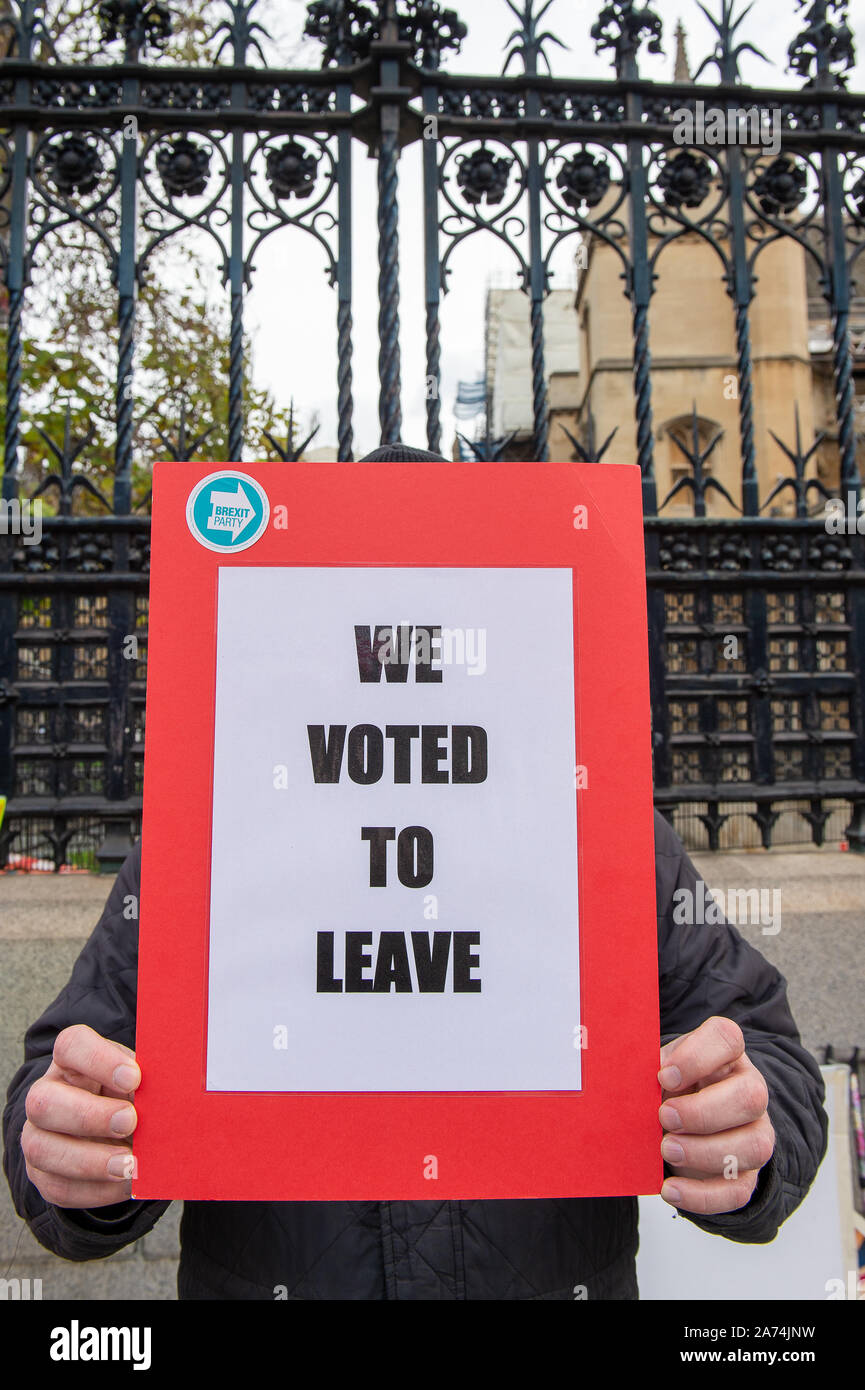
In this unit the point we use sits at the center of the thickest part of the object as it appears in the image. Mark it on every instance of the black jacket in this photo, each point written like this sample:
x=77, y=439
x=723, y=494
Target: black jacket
x=529, y=1249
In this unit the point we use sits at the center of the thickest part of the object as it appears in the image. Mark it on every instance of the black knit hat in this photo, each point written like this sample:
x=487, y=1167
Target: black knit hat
x=401, y=453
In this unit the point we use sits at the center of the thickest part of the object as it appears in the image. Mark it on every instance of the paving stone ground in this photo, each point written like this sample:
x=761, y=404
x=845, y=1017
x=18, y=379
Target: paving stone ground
x=45, y=920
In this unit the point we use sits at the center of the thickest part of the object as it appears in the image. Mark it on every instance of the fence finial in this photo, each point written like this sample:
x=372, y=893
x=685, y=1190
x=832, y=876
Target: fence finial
x=823, y=45
x=622, y=25
x=727, y=52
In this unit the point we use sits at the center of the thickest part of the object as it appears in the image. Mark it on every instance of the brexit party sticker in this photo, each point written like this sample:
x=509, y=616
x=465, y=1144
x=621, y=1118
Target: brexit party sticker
x=227, y=511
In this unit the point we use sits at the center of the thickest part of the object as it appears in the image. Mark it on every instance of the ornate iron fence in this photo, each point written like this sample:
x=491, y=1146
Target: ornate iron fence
x=137, y=152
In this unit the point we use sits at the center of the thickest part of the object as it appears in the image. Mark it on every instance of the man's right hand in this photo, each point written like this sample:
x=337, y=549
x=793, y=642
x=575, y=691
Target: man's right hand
x=77, y=1136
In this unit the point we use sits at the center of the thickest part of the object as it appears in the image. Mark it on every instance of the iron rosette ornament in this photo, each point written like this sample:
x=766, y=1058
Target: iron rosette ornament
x=783, y=197
x=483, y=176
x=76, y=169
x=185, y=184
x=586, y=192
x=687, y=192
x=781, y=187
x=482, y=183
x=75, y=178
x=584, y=180
x=291, y=182
x=291, y=170
x=685, y=180
x=183, y=166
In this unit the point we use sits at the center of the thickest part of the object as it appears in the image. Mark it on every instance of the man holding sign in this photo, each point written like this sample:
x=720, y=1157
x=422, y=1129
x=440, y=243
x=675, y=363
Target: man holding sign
x=424, y=1050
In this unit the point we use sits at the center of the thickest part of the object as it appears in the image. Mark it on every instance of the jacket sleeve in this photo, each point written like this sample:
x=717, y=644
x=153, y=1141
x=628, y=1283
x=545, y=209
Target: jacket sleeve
x=710, y=970
x=101, y=992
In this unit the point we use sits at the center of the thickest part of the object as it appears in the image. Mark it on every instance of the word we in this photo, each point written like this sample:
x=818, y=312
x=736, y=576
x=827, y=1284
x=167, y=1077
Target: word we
x=393, y=648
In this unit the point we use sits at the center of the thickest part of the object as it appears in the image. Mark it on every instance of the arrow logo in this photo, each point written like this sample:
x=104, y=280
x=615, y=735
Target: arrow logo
x=231, y=511
x=227, y=511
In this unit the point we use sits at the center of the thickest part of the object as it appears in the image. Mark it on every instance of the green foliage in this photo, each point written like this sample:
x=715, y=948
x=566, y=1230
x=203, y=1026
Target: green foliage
x=76, y=33
x=182, y=322
x=181, y=367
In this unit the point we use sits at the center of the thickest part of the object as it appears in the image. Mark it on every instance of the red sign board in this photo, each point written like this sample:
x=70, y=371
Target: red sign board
x=397, y=920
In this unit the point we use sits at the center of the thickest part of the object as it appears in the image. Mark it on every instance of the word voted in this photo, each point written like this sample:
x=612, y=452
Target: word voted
x=366, y=761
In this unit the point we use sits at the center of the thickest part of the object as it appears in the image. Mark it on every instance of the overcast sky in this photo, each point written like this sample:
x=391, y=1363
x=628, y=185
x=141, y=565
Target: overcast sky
x=291, y=309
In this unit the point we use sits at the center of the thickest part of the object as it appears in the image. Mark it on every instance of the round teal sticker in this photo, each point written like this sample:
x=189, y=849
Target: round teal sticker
x=227, y=511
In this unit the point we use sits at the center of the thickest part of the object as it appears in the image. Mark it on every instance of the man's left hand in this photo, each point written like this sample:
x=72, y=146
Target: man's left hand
x=717, y=1130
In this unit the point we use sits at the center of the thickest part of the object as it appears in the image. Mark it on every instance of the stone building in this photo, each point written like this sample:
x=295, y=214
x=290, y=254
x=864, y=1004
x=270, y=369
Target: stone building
x=694, y=373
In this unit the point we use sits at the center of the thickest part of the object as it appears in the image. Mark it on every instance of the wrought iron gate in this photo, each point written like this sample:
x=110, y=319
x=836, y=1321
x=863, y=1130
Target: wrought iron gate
x=138, y=152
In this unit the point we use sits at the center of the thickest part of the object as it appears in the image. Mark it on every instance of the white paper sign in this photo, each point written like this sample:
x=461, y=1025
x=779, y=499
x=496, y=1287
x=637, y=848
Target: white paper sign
x=491, y=1003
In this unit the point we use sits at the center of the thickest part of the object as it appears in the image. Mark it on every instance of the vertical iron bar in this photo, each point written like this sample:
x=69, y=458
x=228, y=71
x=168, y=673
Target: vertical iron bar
x=121, y=606
x=16, y=278
x=662, y=763
x=839, y=287
x=345, y=405
x=389, y=408
x=540, y=405
x=432, y=268
x=127, y=288
x=236, y=276
x=756, y=618
x=838, y=293
x=237, y=270
x=741, y=289
x=855, y=831
x=121, y=626
x=8, y=663
x=641, y=289
x=537, y=285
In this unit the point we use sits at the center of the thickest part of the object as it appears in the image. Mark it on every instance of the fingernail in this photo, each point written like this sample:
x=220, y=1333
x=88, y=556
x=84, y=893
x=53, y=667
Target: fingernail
x=126, y=1078
x=671, y=1194
x=670, y=1078
x=123, y=1121
x=119, y=1166
x=670, y=1118
x=673, y=1152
